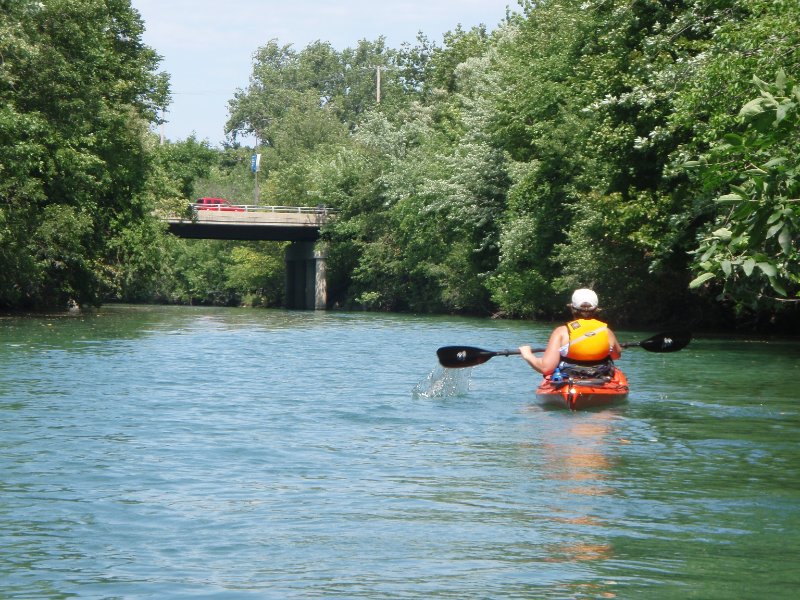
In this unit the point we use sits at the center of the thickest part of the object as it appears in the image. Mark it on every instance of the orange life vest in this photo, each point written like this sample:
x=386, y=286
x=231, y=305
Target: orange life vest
x=588, y=340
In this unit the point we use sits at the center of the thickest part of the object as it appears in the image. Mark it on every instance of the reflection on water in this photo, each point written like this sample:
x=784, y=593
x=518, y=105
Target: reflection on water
x=576, y=460
x=579, y=456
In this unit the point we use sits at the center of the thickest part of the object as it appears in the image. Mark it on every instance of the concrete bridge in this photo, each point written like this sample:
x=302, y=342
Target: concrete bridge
x=247, y=222
x=306, y=286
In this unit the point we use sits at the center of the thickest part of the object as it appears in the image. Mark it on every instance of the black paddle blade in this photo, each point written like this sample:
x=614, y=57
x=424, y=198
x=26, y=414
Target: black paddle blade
x=671, y=341
x=457, y=357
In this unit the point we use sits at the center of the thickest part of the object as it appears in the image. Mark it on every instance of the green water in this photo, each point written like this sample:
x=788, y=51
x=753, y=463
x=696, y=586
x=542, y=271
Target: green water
x=222, y=453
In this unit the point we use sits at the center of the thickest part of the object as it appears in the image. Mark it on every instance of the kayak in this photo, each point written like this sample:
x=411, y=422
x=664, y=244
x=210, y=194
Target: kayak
x=577, y=394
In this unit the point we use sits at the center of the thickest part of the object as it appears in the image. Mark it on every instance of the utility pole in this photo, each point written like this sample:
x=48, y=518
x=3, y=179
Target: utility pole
x=378, y=87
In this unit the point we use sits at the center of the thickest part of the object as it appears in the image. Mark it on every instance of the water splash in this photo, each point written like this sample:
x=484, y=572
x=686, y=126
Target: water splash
x=443, y=383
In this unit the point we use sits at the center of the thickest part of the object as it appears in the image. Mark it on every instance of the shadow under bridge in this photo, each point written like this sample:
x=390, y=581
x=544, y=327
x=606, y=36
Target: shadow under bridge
x=306, y=285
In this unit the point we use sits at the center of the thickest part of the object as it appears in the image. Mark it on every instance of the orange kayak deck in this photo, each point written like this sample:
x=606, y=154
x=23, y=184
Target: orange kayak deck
x=577, y=394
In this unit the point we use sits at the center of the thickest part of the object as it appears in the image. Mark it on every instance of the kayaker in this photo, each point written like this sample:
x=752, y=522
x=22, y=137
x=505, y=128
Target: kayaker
x=584, y=342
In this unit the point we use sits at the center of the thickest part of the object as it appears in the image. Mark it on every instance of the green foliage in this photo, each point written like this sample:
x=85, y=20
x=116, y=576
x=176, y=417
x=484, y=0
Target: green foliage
x=607, y=248
x=57, y=248
x=200, y=274
x=746, y=38
x=225, y=273
x=520, y=283
x=459, y=46
x=417, y=194
x=751, y=247
x=77, y=90
x=599, y=101
x=137, y=269
x=285, y=82
x=186, y=162
x=257, y=273
x=229, y=176
x=303, y=138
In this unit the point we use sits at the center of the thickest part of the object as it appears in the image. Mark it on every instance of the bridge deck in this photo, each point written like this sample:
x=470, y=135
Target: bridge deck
x=273, y=223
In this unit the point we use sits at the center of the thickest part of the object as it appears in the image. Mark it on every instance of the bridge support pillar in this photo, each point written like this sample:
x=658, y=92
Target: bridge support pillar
x=306, y=283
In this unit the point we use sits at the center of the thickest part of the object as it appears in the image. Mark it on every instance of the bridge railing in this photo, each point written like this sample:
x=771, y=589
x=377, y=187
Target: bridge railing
x=324, y=210
x=314, y=210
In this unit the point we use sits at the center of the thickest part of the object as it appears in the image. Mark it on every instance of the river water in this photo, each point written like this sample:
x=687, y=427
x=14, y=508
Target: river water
x=173, y=452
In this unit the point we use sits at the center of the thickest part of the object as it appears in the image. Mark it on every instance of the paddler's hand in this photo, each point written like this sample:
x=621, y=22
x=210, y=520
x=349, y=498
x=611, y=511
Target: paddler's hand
x=529, y=357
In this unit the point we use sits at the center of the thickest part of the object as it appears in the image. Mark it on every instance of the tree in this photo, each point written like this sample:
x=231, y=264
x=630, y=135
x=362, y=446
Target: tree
x=538, y=121
x=421, y=188
x=751, y=250
x=600, y=103
x=186, y=162
x=77, y=91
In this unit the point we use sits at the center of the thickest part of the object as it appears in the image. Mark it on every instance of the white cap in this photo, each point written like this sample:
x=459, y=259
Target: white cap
x=584, y=299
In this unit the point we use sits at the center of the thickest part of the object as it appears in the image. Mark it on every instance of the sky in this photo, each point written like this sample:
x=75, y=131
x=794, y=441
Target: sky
x=208, y=45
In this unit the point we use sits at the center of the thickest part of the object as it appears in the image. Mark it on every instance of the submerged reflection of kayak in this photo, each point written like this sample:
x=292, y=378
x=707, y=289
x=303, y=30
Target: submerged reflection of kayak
x=577, y=394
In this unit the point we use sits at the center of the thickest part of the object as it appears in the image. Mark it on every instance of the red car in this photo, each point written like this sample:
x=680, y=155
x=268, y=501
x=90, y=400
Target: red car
x=215, y=204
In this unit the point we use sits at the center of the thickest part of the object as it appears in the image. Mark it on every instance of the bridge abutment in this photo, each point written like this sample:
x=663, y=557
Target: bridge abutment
x=306, y=284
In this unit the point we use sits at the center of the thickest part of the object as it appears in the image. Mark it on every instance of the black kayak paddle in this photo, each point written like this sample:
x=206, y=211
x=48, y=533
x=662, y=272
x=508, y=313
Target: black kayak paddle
x=457, y=357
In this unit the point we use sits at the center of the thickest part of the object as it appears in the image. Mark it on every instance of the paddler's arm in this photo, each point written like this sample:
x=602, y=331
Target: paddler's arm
x=548, y=361
x=616, y=349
